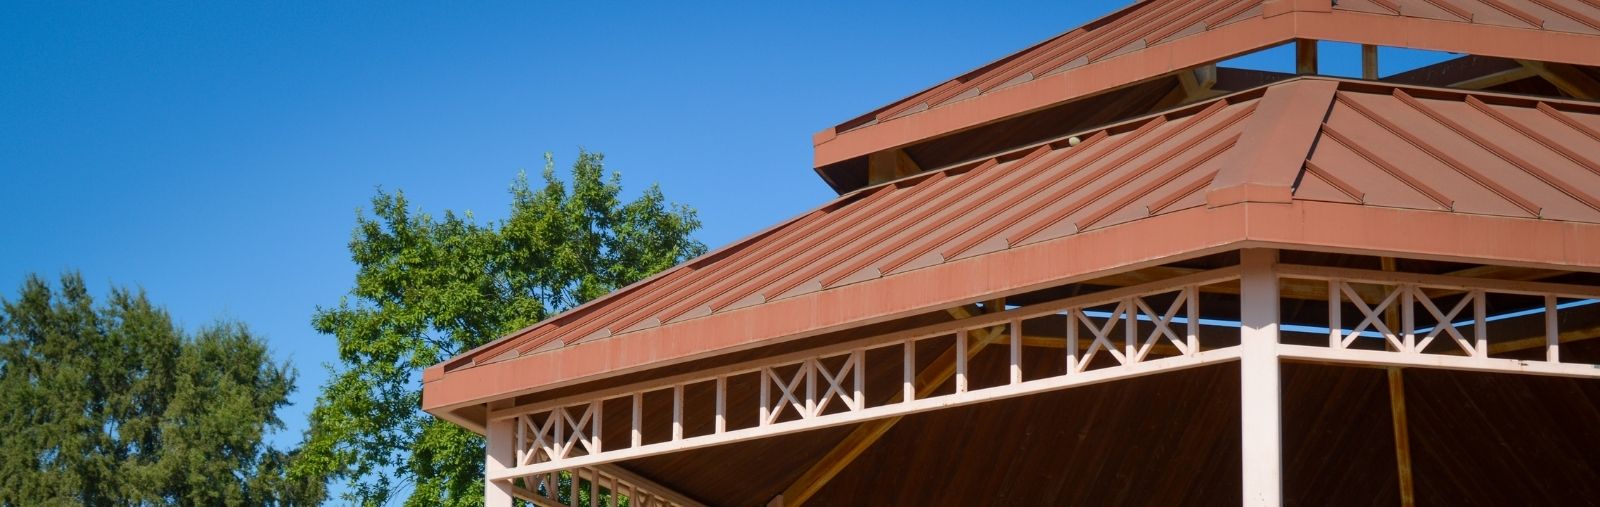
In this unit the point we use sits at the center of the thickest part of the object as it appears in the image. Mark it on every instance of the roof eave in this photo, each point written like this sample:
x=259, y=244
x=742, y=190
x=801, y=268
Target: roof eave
x=1305, y=225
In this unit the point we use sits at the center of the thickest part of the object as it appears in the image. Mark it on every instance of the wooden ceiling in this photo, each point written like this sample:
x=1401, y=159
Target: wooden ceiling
x=1172, y=439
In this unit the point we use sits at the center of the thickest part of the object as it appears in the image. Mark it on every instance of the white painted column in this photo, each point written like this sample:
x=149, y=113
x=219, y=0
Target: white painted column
x=1260, y=425
x=501, y=454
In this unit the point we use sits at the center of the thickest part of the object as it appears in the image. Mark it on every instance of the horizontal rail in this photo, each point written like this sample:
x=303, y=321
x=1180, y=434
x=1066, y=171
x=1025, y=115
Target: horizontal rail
x=884, y=340
x=1131, y=370
x=1307, y=353
x=1438, y=281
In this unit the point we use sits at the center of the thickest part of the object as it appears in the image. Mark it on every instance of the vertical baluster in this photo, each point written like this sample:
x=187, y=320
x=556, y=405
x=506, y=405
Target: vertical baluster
x=809, y=369
x=1072, y=341
x=961, y=361
x=766, y=396
x=1016, y=350
x=1192, y=315
x=572, y=488
x=1408, y=317
x=860, y=358
x=722, y=404
x=594, y=428
x=1130, y=330
x=1480, y=332
x=522, y=441
x=677, y=412
x=638, y=419
x=1335, y=321
x=908, y=389
x=560, y=415
x=1552, y=330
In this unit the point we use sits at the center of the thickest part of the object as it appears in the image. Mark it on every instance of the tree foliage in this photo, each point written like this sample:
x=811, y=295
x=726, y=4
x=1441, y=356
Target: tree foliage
x=115, y=405
x=429, y=288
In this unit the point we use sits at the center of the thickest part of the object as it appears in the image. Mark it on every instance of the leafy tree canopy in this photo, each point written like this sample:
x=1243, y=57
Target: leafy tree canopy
x=429, y=288
x=114, y=405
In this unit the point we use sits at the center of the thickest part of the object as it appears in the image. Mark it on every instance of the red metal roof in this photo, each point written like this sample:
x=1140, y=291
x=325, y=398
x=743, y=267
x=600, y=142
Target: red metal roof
x=1576, y=16
x=1404, y=149
x=1327, y=147
x=1156, y=37
x=1151, y=166
x=1132, y=28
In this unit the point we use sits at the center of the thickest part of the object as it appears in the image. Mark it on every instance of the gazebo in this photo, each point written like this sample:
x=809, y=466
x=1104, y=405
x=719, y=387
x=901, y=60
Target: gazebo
x=1106, y=271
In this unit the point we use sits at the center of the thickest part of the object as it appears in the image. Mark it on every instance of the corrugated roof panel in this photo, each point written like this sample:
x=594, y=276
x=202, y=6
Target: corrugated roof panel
x=1512, y=157
x=1151, y=23
x=1576, y=16
x=1135, y=27
x=1111, y=176
x=1382, y=125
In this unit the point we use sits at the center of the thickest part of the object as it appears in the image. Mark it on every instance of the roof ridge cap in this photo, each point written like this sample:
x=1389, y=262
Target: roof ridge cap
x=1274, y=143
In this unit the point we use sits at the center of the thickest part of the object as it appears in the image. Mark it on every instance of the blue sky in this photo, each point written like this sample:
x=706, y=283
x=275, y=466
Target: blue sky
x=215, y=153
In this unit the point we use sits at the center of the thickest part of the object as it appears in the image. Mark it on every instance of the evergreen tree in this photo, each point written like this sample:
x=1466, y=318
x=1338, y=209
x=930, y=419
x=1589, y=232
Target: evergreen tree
x=115, y=405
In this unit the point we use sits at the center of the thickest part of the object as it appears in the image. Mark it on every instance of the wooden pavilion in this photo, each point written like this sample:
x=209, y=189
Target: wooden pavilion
x=1105, y=271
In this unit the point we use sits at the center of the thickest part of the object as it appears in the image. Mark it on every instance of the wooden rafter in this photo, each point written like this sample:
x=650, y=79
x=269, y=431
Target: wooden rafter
x=1570, y=80
x=1495, y=79
x=868, y=433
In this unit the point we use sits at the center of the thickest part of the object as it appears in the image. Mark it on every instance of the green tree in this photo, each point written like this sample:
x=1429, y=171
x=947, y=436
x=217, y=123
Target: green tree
x=427, y=289
x=115, y=405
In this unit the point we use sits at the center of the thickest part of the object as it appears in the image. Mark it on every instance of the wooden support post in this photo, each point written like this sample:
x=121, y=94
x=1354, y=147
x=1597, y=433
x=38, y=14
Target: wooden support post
x=1260, y=422
x=889, y=165
x=868, y=433
x=1369, y=62
x=1397, y=407
x=1305, y=56
x=500, y=455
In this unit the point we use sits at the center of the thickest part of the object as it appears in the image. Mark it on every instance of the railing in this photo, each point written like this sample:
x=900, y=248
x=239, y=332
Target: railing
x=1442, y=321
x=598, y=486
x=1118, y=333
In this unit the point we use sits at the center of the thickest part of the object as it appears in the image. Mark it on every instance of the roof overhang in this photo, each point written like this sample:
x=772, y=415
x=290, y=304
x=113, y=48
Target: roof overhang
x=1306, y=225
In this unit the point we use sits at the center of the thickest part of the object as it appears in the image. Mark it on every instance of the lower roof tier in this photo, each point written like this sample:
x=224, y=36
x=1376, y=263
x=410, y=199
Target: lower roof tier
x=1309, y=162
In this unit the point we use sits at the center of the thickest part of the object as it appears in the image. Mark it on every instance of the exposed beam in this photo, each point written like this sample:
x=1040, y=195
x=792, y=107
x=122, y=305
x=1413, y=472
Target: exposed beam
x=1570, y=80
x=868, y=433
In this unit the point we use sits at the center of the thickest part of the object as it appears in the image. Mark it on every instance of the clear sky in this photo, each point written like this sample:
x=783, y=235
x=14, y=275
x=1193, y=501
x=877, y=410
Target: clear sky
x=216, y=153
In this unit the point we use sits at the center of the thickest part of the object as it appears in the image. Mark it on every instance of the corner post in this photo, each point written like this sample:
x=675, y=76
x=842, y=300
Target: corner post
x=1260, y=421
x=500, y=455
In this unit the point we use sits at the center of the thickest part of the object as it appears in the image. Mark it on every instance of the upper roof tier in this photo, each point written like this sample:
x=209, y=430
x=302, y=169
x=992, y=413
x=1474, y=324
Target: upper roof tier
x=1310, y=163
x=1154, y=38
